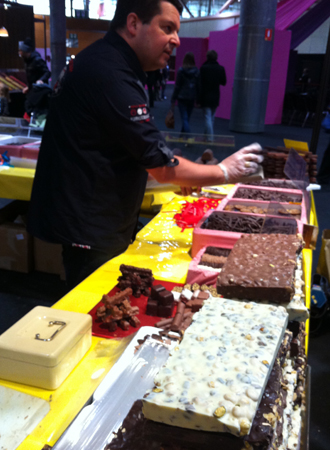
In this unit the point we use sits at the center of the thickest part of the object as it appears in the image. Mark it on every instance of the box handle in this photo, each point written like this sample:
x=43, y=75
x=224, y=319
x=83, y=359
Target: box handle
x=51, y=323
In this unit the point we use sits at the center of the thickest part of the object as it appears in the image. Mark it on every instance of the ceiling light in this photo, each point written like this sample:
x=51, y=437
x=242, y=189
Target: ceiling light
x=3, y=32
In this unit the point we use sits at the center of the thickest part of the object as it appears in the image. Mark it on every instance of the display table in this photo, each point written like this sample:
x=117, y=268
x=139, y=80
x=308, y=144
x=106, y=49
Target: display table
x=160, y=246
x=16, y=182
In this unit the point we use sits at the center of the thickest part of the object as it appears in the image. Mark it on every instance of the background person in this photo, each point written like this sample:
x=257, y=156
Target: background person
x=185, y=90
x=36, y=68
x=212, y=76
x=99, y=144
x=37, y=75
x=165, y=76
x=4, y=100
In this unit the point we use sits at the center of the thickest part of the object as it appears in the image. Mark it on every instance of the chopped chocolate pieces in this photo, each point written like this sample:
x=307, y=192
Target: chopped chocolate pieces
x=225, y=221
x=265, y=210
x=118, y=311
x=242, y=223
x=283, y=184
x=155, y=290
x=161, y=302
x=261, y=267
x=260, y=194
x=152, y=307
x=139, y=280
x=195, y=304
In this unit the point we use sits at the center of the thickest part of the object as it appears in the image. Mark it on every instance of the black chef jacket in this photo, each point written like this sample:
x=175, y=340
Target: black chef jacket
x=97, y=144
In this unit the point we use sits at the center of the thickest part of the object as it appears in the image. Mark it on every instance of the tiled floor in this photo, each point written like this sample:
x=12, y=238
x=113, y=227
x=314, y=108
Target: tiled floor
x=19, y=293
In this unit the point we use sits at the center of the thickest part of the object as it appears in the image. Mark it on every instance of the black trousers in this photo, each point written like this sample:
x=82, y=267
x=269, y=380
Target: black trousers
x=79, y=263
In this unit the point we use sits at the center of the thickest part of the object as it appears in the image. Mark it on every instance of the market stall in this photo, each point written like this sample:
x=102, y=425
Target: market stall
x=162, y=246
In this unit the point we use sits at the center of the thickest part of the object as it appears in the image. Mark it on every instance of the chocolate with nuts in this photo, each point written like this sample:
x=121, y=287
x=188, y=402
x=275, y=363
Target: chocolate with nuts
x=261, y=267
x=138, y=433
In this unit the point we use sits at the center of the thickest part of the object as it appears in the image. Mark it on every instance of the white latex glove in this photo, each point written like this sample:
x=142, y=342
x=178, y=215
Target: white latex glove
x=242, y=163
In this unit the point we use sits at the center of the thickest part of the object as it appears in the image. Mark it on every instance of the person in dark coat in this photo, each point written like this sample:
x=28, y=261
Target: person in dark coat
x=36, y=68
x=186, y=89
x=4, y=100
x=212, y=75
x=37, y=75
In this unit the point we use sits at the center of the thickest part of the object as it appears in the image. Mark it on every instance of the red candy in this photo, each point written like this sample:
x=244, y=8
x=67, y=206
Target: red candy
x=191, y=213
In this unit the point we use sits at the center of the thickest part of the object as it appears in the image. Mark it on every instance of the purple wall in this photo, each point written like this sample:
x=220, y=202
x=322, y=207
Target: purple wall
x=225, y=44
x=278, y=76
x=198, y=46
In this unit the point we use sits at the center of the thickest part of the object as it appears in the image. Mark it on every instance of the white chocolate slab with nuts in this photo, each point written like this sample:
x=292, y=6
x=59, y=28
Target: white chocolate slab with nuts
x=214, y=380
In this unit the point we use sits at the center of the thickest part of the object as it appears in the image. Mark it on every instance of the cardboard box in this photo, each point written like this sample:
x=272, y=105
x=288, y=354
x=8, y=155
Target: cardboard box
x=16, y=248
x=48, y=257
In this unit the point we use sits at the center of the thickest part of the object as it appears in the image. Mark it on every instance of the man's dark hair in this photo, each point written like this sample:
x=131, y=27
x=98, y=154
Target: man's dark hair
x=146, y=10
x=212, y=55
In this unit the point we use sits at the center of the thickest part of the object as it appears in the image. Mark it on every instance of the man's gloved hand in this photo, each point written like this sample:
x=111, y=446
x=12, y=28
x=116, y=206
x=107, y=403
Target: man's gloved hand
x=242, y=163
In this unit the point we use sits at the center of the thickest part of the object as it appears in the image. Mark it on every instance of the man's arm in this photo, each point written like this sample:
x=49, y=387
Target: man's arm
x=188, y=173
x=231, y=170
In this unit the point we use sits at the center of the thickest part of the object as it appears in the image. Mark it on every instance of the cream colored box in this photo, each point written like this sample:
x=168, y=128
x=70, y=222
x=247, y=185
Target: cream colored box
x=44, y=347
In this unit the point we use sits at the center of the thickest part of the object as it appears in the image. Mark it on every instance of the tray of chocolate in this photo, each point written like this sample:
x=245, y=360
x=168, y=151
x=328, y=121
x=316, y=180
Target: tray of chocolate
x=263, y=208
x=274, y=183
x=246, y=391
x=207, y=264
x=224, y=228
x=137, y=300
x=267, y=194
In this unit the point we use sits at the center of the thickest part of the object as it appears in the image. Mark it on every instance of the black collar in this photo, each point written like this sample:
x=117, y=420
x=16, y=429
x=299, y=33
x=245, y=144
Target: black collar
x=129, y=54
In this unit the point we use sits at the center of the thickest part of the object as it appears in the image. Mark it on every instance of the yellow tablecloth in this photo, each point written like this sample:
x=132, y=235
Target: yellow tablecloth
x=16, y=183
x=160, y=246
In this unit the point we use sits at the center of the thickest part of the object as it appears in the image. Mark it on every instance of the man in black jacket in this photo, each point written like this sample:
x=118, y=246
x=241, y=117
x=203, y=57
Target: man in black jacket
x=100, y=144
x=37, y=73
x=36, y=68
x=212, y=75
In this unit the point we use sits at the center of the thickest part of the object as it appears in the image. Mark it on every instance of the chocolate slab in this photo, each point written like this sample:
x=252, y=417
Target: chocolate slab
x=138, y=433
x=261, y=267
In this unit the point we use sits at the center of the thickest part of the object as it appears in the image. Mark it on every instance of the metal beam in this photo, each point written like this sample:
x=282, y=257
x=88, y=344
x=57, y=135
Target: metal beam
x=226, y=5
x=186, y=7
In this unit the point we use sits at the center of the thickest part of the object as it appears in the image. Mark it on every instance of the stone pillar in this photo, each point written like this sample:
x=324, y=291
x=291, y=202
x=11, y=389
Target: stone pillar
x=253, y=65
x=57, y=38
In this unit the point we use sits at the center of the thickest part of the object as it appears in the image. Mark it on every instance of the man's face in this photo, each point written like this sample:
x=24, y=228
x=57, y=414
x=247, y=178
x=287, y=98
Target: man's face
x=156, y=40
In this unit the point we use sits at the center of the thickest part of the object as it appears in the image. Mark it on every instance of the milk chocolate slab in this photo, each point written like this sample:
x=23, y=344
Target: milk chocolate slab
x=261, y=267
